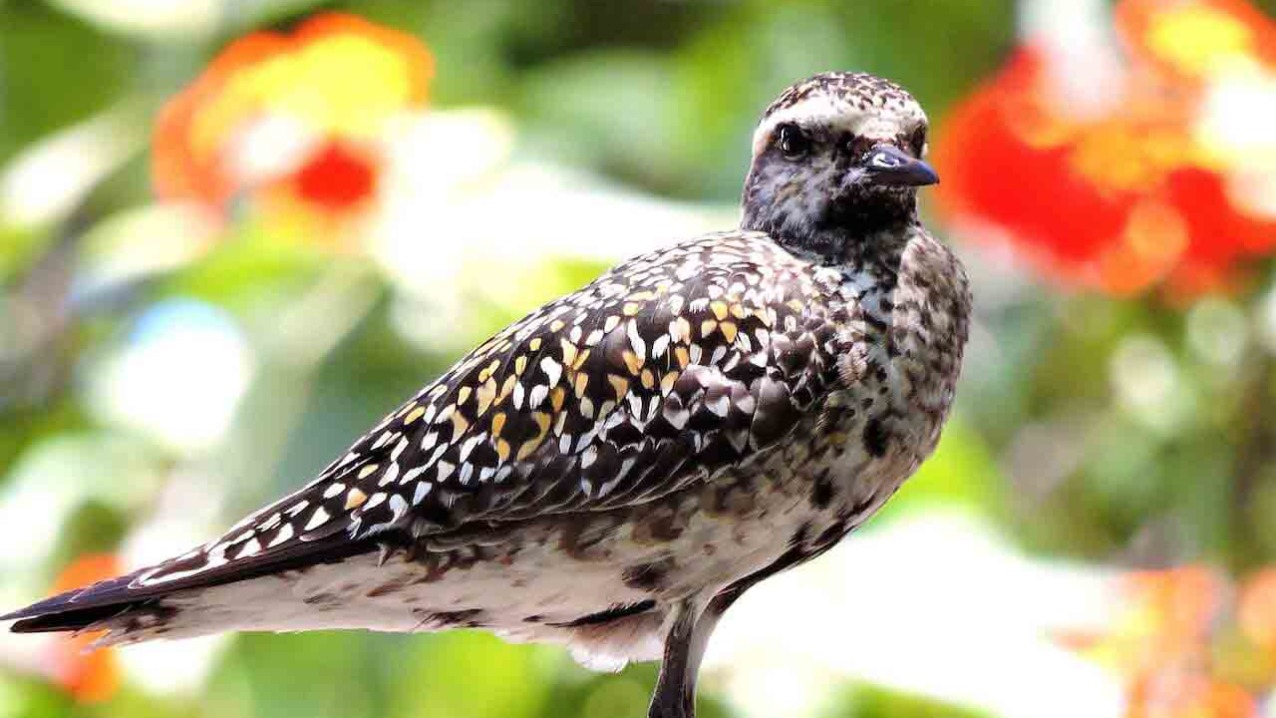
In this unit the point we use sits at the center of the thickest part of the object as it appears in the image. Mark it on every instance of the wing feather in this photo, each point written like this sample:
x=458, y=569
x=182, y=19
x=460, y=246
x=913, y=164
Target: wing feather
x=669, y=368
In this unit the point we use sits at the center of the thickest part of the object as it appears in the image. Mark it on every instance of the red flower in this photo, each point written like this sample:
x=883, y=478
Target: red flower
x=337, y=178
x=291, y=119
x=1135, y=190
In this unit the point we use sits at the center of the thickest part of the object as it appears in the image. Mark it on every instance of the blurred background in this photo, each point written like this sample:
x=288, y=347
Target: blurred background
x=233, y=233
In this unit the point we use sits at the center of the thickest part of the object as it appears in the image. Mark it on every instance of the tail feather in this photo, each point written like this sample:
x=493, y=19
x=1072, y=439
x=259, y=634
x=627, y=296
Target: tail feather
x=129, y=602
x=83, y=618
x=76, y=608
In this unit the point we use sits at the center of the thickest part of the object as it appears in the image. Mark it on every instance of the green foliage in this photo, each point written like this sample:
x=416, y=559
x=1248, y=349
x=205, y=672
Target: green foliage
x=874, y=702
x=80, y=70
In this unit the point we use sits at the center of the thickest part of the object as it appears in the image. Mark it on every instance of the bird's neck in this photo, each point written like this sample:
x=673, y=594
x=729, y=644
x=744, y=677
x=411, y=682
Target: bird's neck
x=842, y=237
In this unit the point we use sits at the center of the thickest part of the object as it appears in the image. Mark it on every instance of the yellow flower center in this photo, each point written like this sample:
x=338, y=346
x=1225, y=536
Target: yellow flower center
x=1199, y=40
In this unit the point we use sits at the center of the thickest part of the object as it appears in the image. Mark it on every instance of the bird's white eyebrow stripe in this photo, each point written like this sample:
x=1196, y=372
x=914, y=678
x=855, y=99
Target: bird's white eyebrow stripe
x=830, y=111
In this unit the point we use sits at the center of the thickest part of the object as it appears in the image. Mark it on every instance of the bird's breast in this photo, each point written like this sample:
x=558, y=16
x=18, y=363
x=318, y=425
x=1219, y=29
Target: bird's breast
x=903, y=323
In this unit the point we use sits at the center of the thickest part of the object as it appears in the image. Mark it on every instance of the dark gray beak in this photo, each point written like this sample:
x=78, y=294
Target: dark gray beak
x=889, y=165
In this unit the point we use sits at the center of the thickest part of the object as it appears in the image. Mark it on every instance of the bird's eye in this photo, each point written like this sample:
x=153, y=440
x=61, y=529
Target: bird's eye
x=793, y=142
x=918, y=142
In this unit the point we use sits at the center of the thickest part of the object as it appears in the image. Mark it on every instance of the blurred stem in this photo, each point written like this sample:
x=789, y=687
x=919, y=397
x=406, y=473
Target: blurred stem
x=39, y=365
x=1255, y=455
x=36, y=368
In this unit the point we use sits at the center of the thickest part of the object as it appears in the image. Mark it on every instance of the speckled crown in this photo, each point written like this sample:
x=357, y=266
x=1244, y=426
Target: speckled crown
x=864, y=104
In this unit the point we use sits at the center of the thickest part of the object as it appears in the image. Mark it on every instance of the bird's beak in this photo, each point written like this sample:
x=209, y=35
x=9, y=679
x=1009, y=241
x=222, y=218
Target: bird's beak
x=891, y=166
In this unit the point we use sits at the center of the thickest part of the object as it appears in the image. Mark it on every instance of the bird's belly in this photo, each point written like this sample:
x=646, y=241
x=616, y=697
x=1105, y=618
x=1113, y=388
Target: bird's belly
x=601, y=582
x=574, y=570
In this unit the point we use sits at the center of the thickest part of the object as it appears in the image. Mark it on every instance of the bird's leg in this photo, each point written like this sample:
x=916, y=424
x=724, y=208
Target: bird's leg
x=693, y=623
x=675, y=695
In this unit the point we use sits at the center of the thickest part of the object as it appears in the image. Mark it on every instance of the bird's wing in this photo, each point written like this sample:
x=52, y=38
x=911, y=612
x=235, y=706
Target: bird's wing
x=671, y=366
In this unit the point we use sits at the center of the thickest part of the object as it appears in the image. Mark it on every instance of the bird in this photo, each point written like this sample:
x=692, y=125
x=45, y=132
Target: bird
x=614, y=470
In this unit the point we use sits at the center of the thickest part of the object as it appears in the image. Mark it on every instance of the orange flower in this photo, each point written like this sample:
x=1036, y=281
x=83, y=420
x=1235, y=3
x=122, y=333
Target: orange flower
x=1170, y=648
x=291, y=119
x=1191, y=696
x=1164, y=620
x=89, y=675
x=1257, y=612
x=1138, y=188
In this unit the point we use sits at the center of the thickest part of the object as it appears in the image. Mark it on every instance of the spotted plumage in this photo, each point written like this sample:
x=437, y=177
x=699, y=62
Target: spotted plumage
x=613, y=470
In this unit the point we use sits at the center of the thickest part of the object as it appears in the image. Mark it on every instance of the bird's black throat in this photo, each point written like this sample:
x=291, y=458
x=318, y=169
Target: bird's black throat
x=836, y=229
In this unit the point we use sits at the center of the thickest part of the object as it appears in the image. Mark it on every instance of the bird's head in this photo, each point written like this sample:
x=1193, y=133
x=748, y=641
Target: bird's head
x=835, y=157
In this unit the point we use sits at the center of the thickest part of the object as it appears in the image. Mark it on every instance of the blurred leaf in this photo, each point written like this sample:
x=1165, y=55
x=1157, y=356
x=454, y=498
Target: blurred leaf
x=506, y=292
x=572, y=105
x=320, y=675
x=616, y=699
x=37, y=699
x=873, y=702
x=438, y=679
x=54, y=71
x=94, y=527
x=249, y=268
x=185, y=21
x=18, y=247
x=938, y=50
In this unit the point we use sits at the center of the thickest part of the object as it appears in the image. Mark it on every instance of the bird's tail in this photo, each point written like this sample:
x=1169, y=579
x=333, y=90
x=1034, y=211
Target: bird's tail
x=79, y=609
x=132, y=609
x=278, y=539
